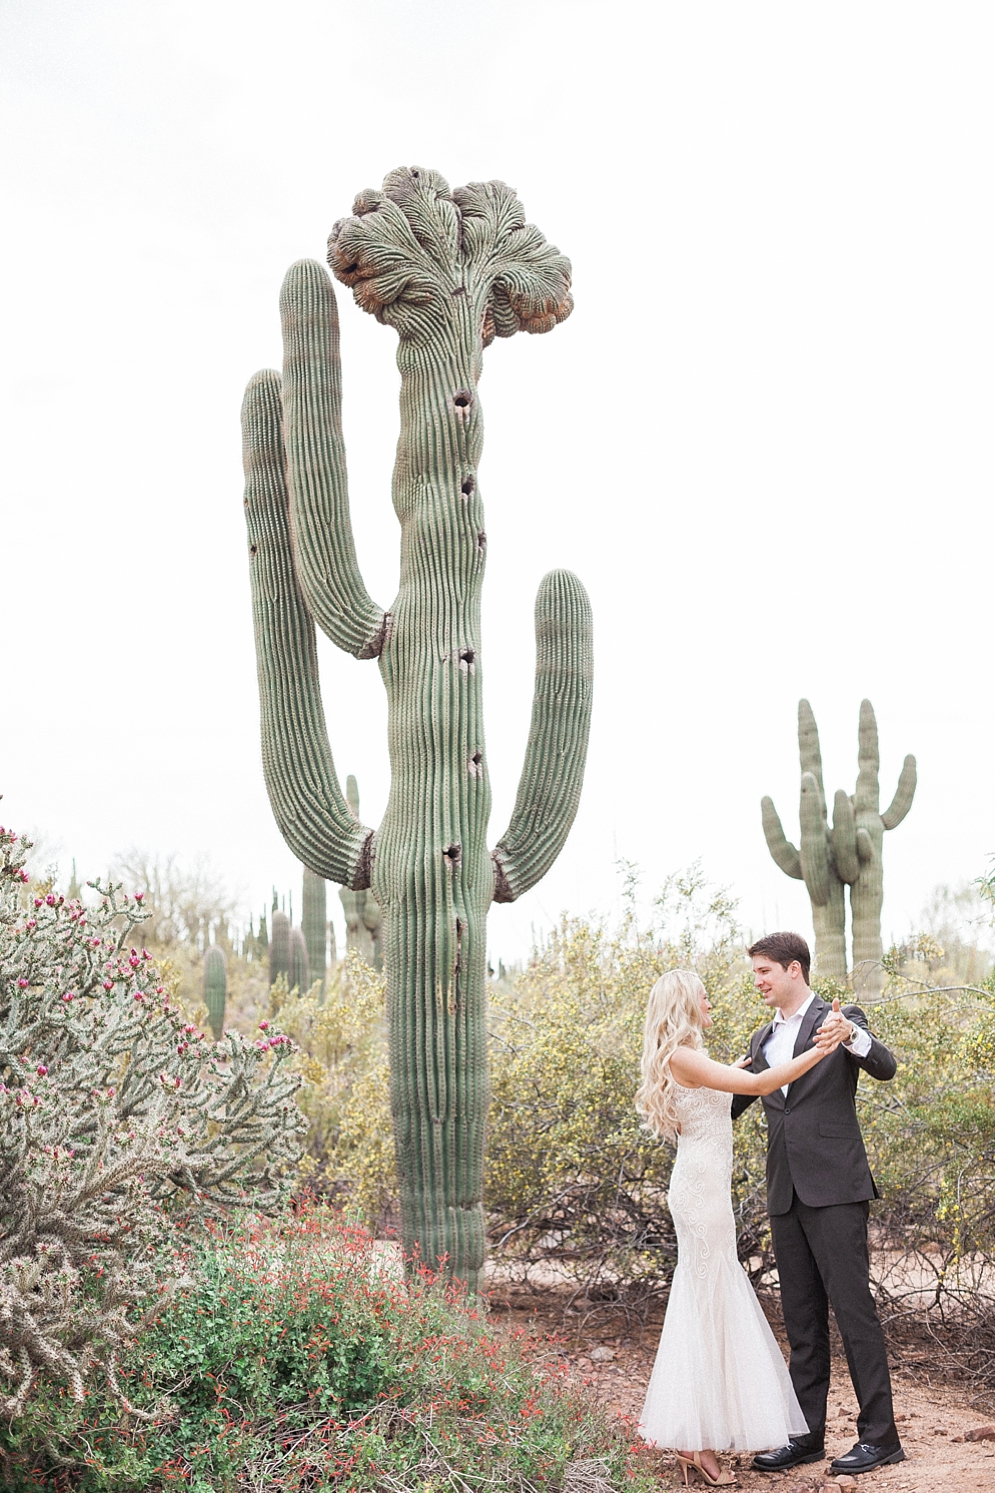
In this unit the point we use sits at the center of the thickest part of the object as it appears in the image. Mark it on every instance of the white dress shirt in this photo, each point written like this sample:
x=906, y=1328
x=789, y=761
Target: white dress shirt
x=780, y=1045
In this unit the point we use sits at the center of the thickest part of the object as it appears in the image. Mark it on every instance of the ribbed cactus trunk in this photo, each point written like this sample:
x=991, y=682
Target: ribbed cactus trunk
x=299, y=975
x=279, y=947
x=449, y=271
x=867, y=889
x=314, y=925
x=433, y=873
x=215, y=989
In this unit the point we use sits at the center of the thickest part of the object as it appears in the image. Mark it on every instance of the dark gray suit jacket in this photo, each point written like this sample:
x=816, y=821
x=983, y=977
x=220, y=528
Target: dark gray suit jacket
x=814, y=1145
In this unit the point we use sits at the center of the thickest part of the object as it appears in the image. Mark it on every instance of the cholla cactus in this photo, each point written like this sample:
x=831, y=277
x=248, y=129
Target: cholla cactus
x=114, y=1117
x=215, y=989
x=848, y=854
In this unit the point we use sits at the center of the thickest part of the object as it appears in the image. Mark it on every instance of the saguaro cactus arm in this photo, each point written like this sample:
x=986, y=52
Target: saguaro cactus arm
x=814, y=840
x=301, y=780
x=324, y=550
x=904, y=794
x=868, y=792
x=783, y=853
x=846, y=851
x=553, y=771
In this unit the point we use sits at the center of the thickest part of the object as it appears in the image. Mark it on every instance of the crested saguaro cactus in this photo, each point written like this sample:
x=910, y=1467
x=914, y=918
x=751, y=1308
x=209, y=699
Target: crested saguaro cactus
x=849, y=854
x=449, y=271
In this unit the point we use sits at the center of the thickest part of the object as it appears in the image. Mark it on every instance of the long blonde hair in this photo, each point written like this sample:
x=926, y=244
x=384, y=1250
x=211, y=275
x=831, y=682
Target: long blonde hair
x=673, y=1019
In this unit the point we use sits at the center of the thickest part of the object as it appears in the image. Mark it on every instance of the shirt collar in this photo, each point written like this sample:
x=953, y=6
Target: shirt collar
x=779, y=1019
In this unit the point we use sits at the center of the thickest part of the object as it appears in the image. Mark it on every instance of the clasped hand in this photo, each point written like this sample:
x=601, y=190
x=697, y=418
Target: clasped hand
x=835, y=1029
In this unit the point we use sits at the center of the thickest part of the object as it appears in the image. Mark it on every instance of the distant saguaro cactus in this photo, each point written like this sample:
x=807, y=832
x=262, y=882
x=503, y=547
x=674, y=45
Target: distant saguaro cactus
x=279, y=946
x=314, y=925
x=363, y=918
x=449, y=271
x=299, y=977
x=848, y=854
x=215, y=989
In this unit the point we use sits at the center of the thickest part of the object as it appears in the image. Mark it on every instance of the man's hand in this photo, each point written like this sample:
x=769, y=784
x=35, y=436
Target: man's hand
x=835, y=1029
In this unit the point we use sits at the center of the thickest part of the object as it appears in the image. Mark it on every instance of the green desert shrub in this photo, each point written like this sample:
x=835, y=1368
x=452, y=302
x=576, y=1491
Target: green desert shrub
x=572, y=1177
x=342, y=1042
x=116, y=1118
x=300, y=1358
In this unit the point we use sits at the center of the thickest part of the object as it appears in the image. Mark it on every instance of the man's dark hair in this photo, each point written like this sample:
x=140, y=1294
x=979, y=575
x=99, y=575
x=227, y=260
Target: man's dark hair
x=783, y=948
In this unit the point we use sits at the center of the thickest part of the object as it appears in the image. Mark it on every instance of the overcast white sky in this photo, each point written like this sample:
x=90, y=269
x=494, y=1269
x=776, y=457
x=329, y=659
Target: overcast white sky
x=763, y=439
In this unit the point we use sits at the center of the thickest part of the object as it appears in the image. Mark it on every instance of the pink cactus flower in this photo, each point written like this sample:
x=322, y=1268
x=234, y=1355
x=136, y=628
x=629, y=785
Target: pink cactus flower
x=41, y=1070
x=22, y=984
x=264, y=1026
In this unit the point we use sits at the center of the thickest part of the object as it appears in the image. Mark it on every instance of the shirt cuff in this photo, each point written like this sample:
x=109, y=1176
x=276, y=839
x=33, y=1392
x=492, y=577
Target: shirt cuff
x=861, y=1044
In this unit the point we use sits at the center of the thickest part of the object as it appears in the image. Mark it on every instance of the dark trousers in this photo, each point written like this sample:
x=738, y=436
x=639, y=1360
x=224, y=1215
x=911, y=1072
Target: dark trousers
x=822, y=1259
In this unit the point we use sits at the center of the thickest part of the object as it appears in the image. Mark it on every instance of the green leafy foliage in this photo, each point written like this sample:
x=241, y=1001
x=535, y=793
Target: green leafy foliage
x=302, y=1358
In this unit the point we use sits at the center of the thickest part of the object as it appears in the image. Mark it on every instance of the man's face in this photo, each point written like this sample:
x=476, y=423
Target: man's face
x=777, y=985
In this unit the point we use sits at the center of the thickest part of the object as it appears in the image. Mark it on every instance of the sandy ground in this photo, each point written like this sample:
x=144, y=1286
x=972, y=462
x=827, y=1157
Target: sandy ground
x=933, y=1420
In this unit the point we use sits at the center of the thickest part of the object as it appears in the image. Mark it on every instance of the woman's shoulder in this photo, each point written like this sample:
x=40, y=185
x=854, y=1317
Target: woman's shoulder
x=682, y=1067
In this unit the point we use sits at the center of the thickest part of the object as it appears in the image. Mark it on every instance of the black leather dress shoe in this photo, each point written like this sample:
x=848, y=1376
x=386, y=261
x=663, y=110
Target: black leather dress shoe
x=793, y=1455
x=865, y=1457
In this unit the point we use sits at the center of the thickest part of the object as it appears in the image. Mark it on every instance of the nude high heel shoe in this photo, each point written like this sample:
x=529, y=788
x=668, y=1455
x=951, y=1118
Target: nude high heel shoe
x=693, y=1464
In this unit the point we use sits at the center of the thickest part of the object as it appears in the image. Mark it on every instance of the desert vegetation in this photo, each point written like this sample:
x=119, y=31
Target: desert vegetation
x=221, y=1296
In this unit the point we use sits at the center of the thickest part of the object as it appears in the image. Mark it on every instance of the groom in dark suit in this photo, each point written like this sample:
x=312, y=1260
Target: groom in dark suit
x=819, y=1186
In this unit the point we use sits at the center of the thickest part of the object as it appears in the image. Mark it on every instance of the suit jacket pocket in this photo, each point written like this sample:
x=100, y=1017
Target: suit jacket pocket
x=839, y=1130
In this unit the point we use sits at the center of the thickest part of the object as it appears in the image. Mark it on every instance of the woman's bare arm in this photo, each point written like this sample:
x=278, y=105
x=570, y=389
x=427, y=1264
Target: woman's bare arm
x=693, y=1070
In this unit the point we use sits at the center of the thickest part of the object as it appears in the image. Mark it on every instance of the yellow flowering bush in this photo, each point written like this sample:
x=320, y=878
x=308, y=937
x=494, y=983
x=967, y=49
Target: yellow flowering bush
x=345, y=1095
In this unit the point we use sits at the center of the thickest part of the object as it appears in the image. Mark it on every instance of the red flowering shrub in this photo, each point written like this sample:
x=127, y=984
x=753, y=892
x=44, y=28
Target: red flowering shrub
x=300, y=1357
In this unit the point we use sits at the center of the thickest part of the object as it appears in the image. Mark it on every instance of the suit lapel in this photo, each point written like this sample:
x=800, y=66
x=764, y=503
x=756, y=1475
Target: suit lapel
x=813, y=1017
x=759, y=1060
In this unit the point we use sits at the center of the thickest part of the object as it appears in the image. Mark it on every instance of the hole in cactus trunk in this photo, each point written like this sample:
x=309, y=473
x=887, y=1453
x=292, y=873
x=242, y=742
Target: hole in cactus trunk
x=467, y=657
x=253, y=548
x=350, y=269
x=462, y=399
x=475, y=766
x=459, y=290
x=467, y=487
x=481, y=540
x=452, y=855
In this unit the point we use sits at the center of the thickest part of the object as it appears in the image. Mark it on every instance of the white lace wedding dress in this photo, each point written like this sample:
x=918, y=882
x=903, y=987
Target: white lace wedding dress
x=719, y=1379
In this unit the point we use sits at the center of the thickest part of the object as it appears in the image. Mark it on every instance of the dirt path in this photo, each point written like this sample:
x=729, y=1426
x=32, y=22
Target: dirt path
x=933, y=1420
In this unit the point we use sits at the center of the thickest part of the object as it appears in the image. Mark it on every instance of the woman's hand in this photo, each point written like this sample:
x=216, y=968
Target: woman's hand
x=744, y=1062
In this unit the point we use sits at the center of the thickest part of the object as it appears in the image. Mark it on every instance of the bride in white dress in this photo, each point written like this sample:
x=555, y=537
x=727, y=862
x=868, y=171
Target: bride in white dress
x=719, y=1382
